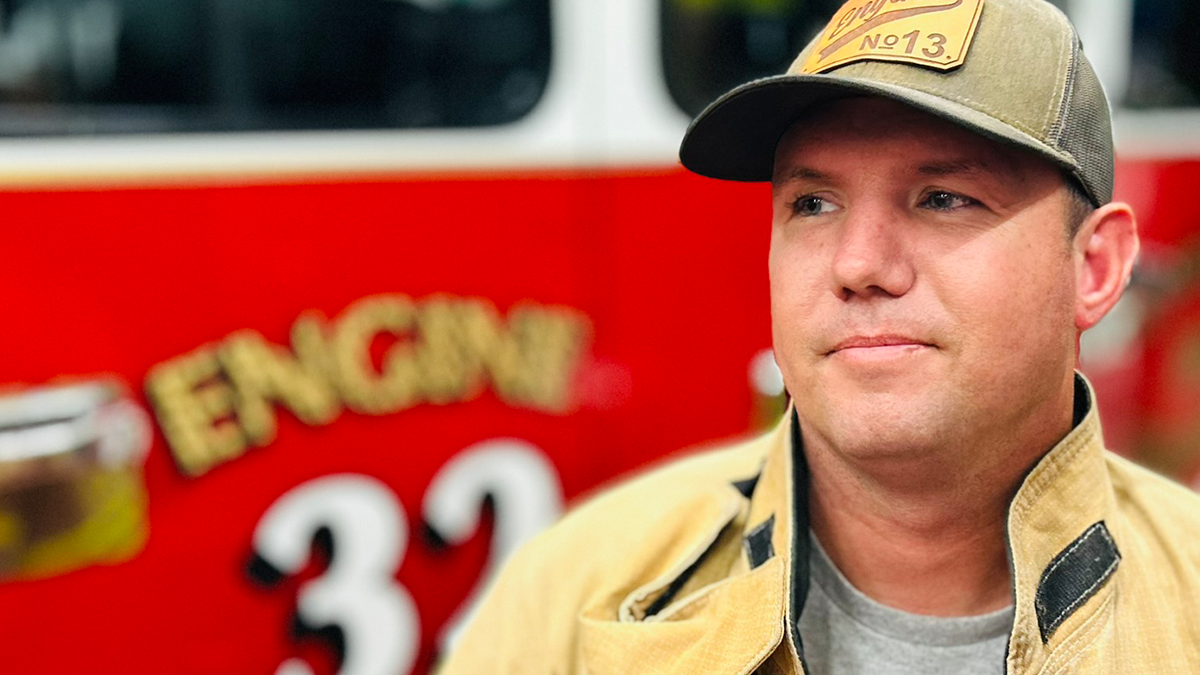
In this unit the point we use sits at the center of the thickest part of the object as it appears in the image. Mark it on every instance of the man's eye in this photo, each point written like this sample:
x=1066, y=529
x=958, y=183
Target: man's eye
x=811, y=206
x=941, y=200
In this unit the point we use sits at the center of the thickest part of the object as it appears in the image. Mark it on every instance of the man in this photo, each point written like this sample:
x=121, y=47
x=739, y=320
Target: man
x=938, y=499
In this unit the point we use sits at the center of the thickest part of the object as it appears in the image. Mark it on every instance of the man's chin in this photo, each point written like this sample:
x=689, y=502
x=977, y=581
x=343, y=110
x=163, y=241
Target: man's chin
x=895, y=412
x=869, y=432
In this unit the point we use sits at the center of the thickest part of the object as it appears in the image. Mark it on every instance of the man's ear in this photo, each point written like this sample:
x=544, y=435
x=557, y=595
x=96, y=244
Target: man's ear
x=1105, y=249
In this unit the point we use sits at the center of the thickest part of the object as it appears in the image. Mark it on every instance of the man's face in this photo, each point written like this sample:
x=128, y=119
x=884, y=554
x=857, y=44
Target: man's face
x=922, y=283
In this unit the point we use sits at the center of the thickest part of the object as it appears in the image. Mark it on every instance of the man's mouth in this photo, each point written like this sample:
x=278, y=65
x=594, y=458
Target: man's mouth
x=878, y=345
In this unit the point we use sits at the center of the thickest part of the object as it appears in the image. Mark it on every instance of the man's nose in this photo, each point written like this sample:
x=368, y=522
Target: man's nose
x=871, y=256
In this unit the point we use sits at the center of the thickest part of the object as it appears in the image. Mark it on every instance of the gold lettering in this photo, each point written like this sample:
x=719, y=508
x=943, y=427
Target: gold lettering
x=311, y=342
x=194, y=408
x=219, y=400
x=364, y=388
x=263, y=374
x=533, y=363
x=456, y=334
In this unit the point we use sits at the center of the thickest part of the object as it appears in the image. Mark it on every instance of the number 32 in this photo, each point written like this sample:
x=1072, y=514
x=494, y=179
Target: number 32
x=358, y=592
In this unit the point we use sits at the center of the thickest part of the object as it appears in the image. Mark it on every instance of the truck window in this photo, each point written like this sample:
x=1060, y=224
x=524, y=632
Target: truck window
x=103, y=66
x=1165, y=59
x=711, y=46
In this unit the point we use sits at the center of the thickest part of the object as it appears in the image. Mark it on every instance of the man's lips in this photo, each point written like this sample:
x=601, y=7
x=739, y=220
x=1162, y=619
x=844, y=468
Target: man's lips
x=882, y=342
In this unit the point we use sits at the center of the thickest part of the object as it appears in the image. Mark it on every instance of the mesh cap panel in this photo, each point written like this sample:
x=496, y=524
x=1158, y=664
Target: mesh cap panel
x=1086, y=132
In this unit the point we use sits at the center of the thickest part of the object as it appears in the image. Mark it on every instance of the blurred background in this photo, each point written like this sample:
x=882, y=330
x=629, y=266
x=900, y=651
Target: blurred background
x=317, y=308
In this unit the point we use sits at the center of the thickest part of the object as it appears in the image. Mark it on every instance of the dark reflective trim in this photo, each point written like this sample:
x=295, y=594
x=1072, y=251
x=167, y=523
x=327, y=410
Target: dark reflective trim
x=746, y=487
x=1074, y=576
x=757, y=543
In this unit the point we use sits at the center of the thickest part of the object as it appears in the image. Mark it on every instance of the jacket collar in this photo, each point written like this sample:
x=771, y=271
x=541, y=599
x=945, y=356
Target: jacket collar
x=781, y=498
x=729, y=626
x=1063, y=555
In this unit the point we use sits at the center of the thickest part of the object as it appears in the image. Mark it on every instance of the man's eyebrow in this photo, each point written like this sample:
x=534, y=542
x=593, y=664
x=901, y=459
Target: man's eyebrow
x=800, y=173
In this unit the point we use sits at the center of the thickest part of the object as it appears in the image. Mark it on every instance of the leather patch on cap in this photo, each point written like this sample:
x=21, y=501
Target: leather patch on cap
x=933, y=33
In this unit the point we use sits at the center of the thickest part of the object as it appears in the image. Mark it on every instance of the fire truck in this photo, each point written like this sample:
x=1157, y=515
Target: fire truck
x=317, y=309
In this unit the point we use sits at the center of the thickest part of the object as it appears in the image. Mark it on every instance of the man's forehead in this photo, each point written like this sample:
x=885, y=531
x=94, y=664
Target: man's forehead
x=933, y=147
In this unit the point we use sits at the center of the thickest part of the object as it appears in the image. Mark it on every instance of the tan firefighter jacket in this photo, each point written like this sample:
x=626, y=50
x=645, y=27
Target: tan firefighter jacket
x=701, y=568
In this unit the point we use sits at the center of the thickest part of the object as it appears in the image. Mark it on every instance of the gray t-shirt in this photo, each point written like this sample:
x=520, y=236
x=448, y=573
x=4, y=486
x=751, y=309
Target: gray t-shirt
x=847, y=633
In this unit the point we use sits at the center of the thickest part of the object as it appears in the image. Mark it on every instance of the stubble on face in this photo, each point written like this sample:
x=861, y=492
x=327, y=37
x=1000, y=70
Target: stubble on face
x=922, y=292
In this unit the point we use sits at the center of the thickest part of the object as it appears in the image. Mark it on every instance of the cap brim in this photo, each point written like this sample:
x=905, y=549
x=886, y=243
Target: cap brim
x=735, y=137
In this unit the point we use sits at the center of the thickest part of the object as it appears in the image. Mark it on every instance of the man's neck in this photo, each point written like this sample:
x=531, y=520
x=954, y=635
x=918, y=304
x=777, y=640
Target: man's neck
x=925, y=536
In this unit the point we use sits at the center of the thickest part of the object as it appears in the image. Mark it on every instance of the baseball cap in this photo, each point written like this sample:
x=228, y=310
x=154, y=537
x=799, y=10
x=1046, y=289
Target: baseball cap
x=1010, y=70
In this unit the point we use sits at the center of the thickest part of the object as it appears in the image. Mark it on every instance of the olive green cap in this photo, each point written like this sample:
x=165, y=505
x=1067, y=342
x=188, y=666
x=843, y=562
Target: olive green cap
x=1018, y=76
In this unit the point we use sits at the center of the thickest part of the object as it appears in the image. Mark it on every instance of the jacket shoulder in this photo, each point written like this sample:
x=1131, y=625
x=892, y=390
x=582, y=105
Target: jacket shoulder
x=677, y=481
x=631, y=518
x=1164, y=515
x=599, y=553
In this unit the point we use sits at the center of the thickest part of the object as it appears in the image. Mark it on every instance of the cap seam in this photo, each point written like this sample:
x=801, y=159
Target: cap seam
x=1064, y=76
x=1060, y=124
